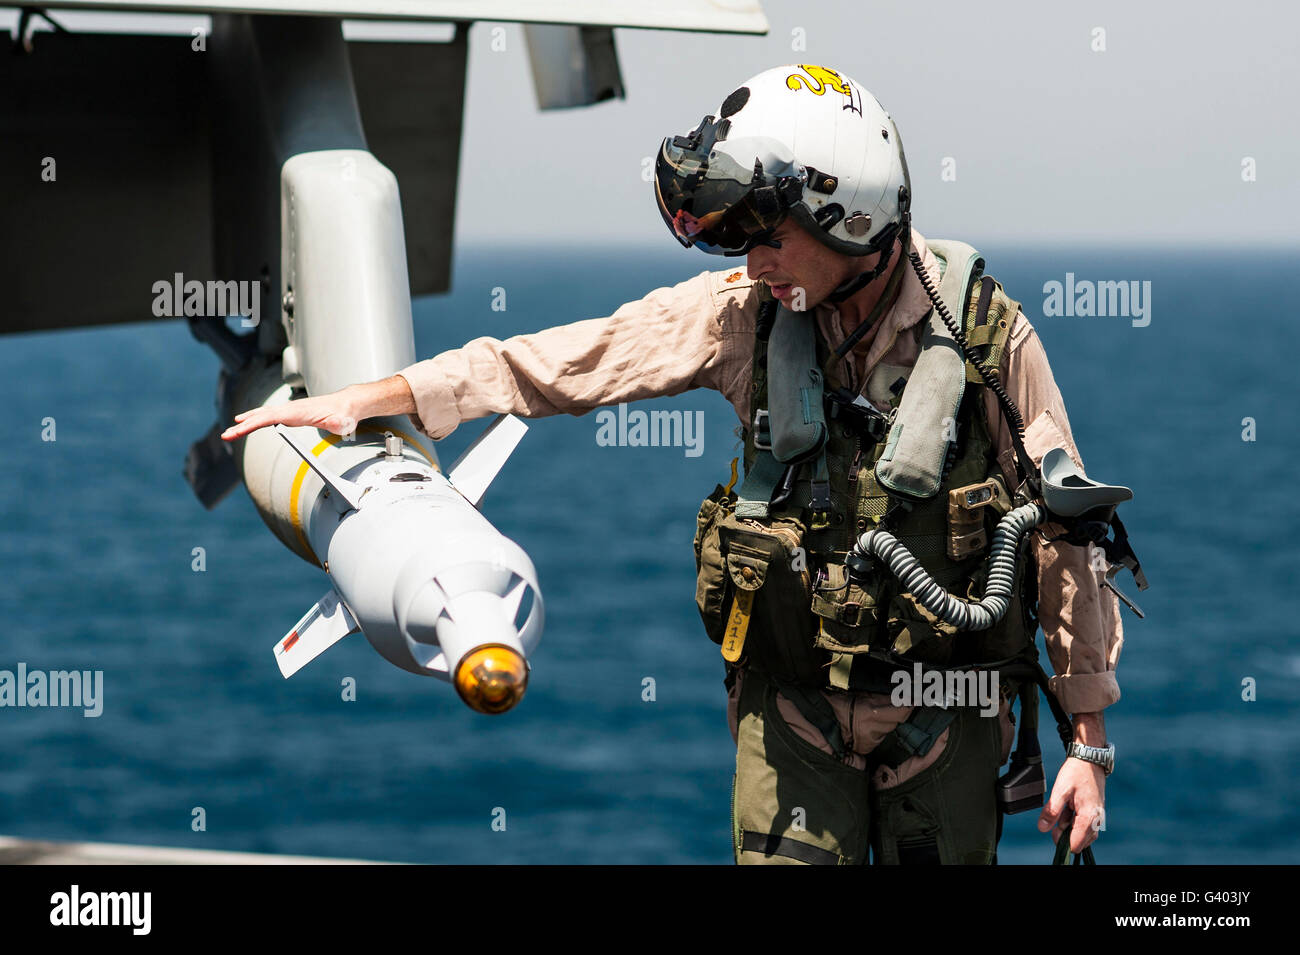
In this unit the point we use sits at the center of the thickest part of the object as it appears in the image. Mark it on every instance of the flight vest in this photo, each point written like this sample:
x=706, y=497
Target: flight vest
x=774, y=590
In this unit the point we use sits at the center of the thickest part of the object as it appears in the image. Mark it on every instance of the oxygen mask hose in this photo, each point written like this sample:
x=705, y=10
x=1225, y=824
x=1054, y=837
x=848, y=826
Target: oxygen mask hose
x=881, y=545
x=962, y=614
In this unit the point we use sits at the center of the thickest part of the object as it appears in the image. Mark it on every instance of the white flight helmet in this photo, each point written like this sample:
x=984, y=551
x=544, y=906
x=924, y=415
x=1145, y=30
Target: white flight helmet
x=799, y=140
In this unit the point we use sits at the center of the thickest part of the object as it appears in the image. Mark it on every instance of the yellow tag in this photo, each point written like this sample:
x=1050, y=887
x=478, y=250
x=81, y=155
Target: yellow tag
x=733, y=639
x=732, y=482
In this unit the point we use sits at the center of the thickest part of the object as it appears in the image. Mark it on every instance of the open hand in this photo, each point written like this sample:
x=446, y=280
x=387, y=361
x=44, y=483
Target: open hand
x=336, y=412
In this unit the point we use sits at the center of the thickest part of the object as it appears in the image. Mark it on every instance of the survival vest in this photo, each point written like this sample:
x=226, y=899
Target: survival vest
x=772, y=585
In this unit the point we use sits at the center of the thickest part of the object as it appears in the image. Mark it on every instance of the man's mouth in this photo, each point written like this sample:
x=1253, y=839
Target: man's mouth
x=779, y=291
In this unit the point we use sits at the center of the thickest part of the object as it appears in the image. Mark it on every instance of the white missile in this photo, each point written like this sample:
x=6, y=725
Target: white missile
x=433, y=586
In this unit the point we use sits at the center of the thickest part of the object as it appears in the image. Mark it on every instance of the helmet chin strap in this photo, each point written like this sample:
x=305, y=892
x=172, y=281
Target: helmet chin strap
x=862, y=280
x=887, y=296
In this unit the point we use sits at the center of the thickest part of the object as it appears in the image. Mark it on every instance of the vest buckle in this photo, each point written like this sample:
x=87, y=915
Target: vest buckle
x=762, y=430
x=849, y=614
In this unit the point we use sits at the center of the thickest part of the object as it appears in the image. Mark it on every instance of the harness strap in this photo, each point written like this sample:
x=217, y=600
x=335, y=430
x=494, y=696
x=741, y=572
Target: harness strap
x=1064, y=728
x=821, y=493
x=983, y=333
x=760, y=482
x=773, y=844
x=1027, y=738
x=915, y=736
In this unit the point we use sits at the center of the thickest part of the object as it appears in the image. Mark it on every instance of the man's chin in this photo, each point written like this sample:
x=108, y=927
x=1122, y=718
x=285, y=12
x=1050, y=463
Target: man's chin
x=796, y=298
x=807, y=303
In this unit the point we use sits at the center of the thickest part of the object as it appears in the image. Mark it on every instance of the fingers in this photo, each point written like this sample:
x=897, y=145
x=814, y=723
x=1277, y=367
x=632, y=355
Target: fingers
x=1052, y=811
x=303, y=412
x=235, y=432
x=341, y=424
x=1060, y=826
x=248, y=422
x=1081, y=833
x=1079, y=827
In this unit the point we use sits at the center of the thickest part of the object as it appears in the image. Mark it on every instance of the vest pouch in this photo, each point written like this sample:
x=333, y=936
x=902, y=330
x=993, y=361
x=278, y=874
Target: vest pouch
x=848, y=615
x=760, y=559
x=710, y=566
x=917, y=633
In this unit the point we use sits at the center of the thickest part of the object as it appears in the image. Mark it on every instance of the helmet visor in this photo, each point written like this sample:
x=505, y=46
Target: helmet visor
x=724, y=197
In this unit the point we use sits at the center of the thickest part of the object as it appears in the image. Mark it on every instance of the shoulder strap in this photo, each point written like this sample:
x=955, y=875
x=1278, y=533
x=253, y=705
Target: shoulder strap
x=988, y=326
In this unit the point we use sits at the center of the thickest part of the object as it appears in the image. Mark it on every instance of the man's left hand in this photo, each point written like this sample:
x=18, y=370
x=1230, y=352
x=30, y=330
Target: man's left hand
x=1078, y=796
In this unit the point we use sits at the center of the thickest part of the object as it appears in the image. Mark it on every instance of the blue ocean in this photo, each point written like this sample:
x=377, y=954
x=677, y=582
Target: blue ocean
x=98, y=528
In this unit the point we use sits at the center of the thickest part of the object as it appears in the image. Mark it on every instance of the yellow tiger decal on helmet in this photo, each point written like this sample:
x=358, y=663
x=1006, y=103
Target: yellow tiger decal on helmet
x=819, y=80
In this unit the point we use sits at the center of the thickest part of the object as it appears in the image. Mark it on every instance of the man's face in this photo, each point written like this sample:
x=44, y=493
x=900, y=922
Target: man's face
x=802, y=263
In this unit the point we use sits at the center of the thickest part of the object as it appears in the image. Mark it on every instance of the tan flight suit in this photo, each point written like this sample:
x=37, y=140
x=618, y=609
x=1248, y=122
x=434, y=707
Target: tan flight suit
x=700, y=334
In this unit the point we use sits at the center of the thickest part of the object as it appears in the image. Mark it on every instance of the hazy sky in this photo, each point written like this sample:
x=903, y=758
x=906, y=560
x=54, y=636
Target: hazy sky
x=1051, y=140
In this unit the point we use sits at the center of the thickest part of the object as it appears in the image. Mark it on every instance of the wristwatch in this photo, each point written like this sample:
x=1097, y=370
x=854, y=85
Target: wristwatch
x=1103, y=756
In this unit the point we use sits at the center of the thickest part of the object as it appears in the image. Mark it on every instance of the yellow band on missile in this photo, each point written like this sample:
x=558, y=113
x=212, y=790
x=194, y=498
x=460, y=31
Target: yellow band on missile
x=295, y=518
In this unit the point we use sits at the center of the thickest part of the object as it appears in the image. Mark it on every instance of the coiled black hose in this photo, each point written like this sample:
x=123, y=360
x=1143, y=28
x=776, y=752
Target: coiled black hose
x=962, y=614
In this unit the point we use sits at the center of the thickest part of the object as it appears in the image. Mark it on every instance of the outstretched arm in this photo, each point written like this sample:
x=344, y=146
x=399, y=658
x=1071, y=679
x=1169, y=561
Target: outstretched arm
x=689, y=335
x=668, y=342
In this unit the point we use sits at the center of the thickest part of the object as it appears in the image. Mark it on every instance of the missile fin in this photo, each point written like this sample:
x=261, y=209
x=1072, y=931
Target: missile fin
x=479, y=464
x=324, y=625
x=345, y=489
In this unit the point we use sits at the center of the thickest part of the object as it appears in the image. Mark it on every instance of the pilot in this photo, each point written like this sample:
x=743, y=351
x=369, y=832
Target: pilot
x=803, y=172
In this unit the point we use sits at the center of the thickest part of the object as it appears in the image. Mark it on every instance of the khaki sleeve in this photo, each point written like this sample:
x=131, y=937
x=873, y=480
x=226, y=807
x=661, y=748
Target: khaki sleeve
x=672, y=340
x=1079, y=616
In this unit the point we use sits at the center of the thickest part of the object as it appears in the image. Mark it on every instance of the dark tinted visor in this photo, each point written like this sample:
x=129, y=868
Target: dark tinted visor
x=712, y=202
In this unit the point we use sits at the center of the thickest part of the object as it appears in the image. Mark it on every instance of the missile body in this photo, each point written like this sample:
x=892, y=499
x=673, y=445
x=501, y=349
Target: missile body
x=435, y=588
x=414, y=566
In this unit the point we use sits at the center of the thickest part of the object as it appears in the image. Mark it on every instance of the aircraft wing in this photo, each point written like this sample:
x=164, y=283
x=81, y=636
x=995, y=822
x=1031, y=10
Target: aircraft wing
x=125, y=163
x=714, y=16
